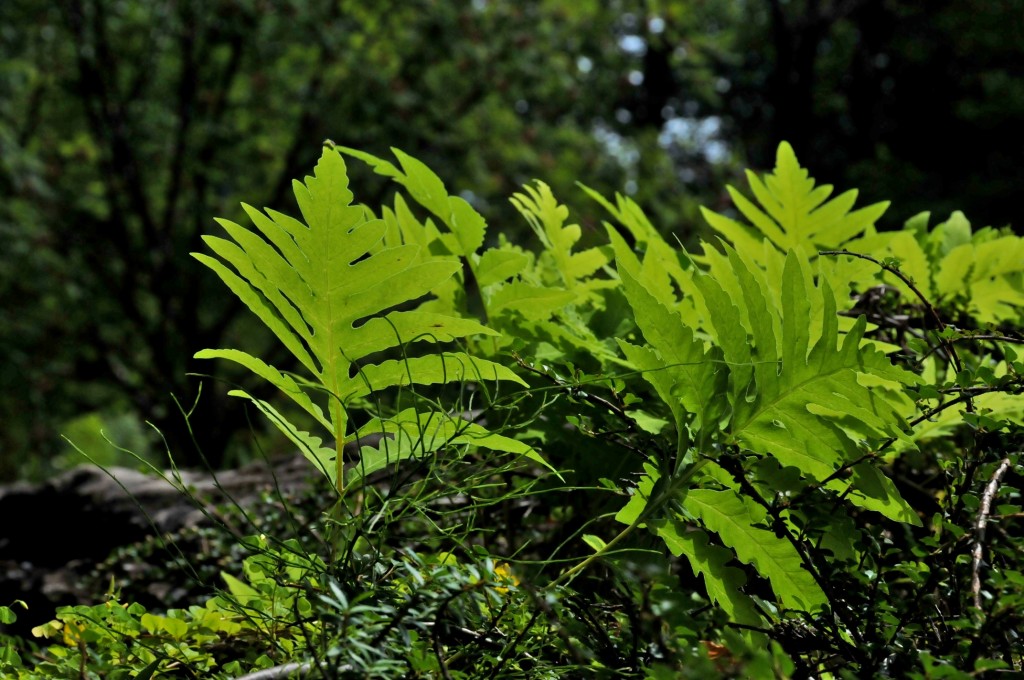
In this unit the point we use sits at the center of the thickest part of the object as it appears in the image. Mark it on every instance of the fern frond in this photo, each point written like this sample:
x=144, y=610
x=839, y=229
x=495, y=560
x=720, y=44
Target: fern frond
x=723, y=583
x=497, y=265
x=311, y=446
x=989, y=275
x=547, y=219
x=791, y=212
x=411, y=434
x=467, y=227
x=796, y=391
x=795, y=387
x=533, y=302
x=738, y=522
x=664, y=269
x=328, y=288
x=686, y=376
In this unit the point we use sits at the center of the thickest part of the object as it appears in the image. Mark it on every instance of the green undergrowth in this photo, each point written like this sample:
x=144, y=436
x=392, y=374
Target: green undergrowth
x=790, y=453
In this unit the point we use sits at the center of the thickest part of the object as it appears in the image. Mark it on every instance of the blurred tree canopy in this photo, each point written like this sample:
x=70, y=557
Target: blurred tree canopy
x=918, y=102
x=126, y=126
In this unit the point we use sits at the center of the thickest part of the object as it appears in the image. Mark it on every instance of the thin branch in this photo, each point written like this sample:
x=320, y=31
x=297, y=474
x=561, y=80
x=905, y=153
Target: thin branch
x=979, y=528
x=575, y=392
x=965, y=394
x=991, y=336
x=779, y=524
x=290, y=670
x=439, y=653
x=968, y=338
x=506, y=653
x=895, y=271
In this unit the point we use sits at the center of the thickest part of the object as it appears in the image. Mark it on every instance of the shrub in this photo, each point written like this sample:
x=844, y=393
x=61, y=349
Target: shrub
x=793, y=453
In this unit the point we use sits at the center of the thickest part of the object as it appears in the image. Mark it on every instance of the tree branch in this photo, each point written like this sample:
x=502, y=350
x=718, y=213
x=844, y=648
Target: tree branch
x=979, y=529
x=187, y=81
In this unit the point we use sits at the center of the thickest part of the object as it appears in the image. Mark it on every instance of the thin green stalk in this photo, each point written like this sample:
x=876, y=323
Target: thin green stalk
x=654, y=502
x=569, y=574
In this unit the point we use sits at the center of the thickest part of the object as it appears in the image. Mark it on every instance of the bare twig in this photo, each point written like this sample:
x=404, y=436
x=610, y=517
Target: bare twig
x=990, y=336
x=975, y=337
x=979, y=528
x=895, y=271
x=963, y=395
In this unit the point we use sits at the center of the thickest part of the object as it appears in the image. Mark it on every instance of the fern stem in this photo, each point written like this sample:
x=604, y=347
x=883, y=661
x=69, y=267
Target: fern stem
x=570, y=574
x=340, y=425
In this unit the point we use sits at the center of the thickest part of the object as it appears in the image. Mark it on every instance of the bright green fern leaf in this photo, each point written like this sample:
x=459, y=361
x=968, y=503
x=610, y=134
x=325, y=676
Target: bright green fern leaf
x=309, y=445
x=412, y=434
x=774, y=413
x=792, y=211
x=467, y=226
x=497, y=265
x=547, y=218
x=722, y=582
x=686, y=377
x=328, y=289
x=664, y=268
x=737, y=521
x=989, y=275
